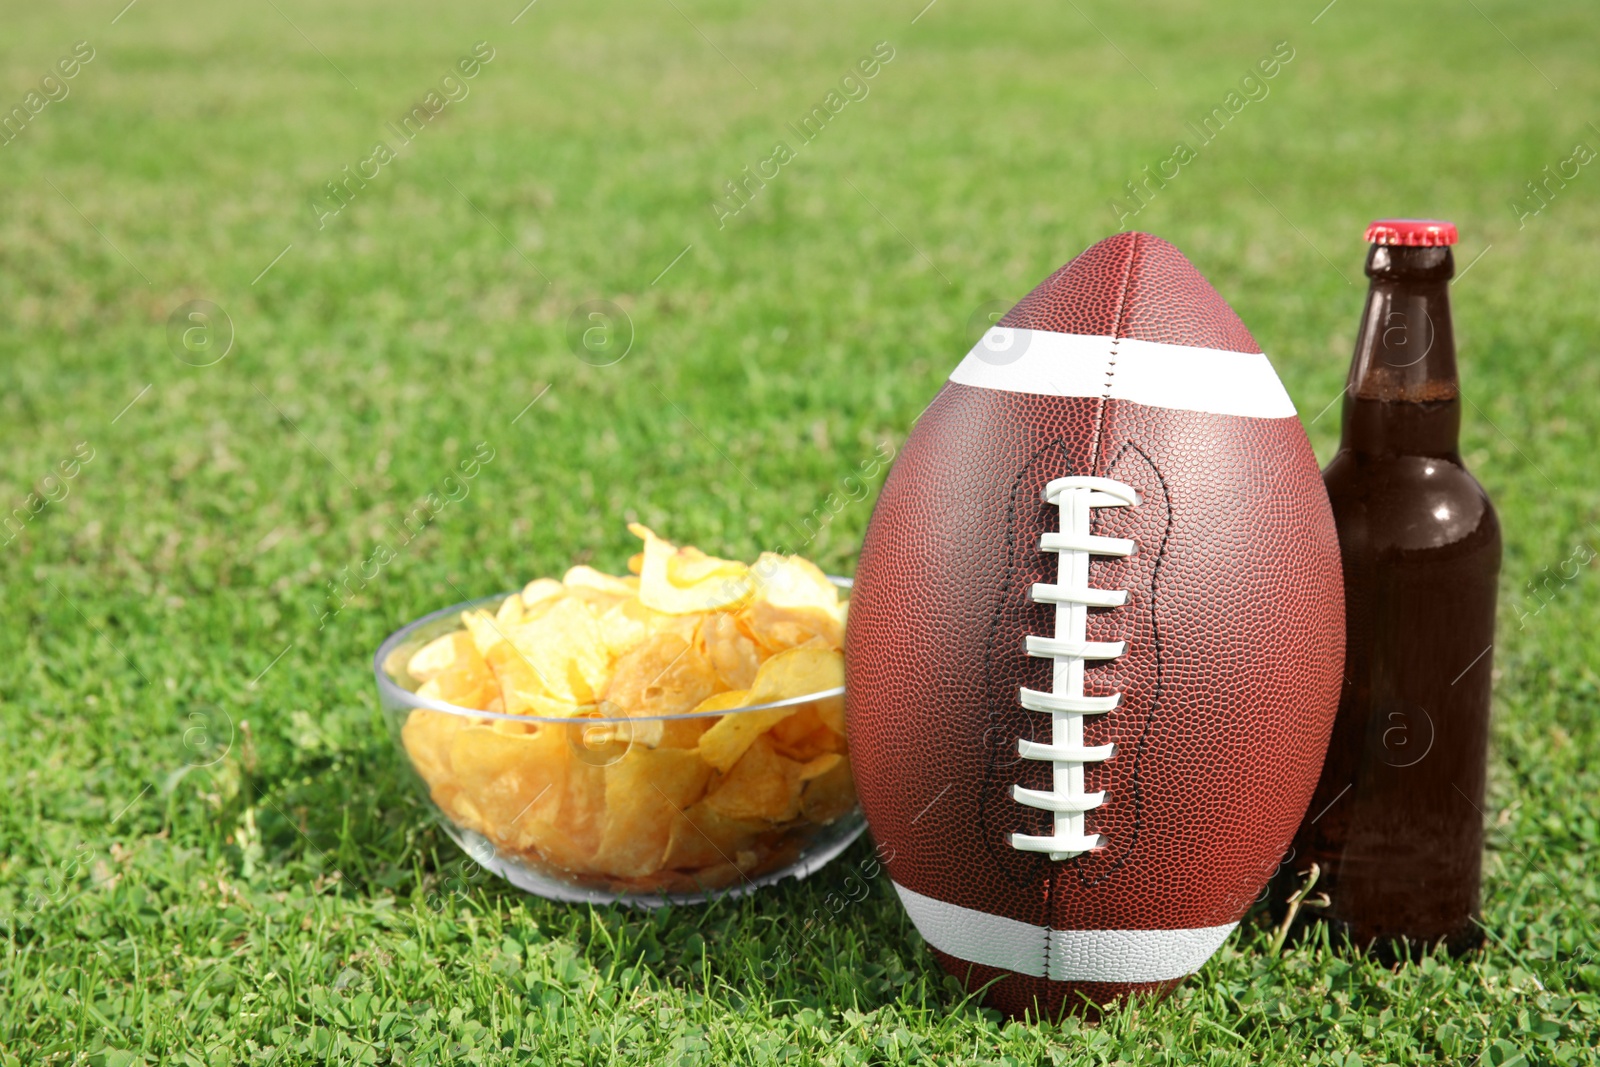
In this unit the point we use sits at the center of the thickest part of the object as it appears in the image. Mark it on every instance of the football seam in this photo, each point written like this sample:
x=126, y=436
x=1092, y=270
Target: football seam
x=1118, y=323
x=1111, y=370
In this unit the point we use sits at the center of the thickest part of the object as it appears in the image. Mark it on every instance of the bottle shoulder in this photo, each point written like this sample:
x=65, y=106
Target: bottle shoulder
x=1409, y=503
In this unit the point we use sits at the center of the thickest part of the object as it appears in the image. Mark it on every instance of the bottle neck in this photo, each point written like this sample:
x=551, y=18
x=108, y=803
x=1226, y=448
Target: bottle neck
x=1403, y=396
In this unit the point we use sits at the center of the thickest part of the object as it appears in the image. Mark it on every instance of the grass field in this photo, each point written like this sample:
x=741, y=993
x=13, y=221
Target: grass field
x=208, y=853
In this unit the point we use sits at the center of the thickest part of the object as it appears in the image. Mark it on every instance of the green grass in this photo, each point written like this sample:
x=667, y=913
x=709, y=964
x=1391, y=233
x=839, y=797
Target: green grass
x=199, y=867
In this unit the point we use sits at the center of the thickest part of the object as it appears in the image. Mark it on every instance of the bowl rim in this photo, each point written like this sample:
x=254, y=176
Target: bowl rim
x=392, y=692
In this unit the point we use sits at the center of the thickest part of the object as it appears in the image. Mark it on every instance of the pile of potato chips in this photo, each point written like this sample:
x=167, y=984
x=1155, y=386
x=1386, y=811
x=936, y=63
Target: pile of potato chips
x=662, y=794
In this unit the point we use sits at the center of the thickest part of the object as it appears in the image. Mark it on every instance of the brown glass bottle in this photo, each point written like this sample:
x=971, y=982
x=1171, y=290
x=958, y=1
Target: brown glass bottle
x=1396, y=823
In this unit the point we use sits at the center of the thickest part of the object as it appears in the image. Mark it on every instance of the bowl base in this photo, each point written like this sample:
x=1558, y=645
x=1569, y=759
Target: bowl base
x=482, y=852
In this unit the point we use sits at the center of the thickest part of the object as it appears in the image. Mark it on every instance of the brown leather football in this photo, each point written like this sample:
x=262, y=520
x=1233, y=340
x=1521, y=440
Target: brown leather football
x=1096, y=639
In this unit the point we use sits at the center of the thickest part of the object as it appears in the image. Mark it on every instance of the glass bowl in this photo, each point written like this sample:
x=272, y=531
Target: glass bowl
x=716, y=856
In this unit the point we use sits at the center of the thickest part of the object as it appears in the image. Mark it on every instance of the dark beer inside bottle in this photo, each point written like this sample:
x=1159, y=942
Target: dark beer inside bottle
x=1403, y=396
x=1396, y=824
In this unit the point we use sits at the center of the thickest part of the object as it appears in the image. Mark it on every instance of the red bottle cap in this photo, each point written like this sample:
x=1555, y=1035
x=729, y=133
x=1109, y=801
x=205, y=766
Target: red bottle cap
x=1413, y=232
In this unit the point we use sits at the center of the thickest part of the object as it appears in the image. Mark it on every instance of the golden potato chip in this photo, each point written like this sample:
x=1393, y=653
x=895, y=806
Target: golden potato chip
x=438, y=654
x=733, y=655
x=681, y=733
x=690, y=566
x=570, y=837
x=519, y=685
x=821, y=765
x=666, y=675
x=522, y=692
x=792, y=602
x=762, y=785
x=602, y=733
x=452, y=688
x=459, y=807
x=788, y=674
x=485, y=631
x=467, y=682
x=684, y=581
x=831, y=711
x=510, y=776
x=829, y=794
x=444, y=794
x=702, y=837
x=427, y=735
x=732, y=698
x=686, y=732
x=564, y=651
x=628, y=622
x=510, y=612
x=804, y=736
x=723, y=744
x=584, y=577
x=793, y=582
x=807, y=669
x=541, y=589
x=645, y=792
x=636, y=563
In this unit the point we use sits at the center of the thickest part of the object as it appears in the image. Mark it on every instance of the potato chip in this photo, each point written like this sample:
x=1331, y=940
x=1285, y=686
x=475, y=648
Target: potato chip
x=563, y=651
x=680, y=733
x=628, y=622
x=458, y=688
x=584, y=577
x=460, y=808
x=831, y=711
x=703, y=837
x=426, y=736
x=570, y=838
x=645, y=792
x=684, y=581
x=690, y=566
x=510, y=775
x=733, y=656
x=792, y=602
x=519, y=685
x=486, y=633
x=726, y=701
x=467, y=682
x=788, y=674
x=685, y=732
x=804, y=736
x=438, y=654
x=821, y=765
x=541, y=589
x=521, y=691
x=830, y=794
x=510, y=612
x=762, y=785
x=445, y=795
x=666, y=675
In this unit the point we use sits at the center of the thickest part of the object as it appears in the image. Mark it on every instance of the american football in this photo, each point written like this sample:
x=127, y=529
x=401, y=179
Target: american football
x=1095, y=642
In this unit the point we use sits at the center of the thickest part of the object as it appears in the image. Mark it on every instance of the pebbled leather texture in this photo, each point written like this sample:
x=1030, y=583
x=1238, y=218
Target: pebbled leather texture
x=1137, y=286
x=1235, y=631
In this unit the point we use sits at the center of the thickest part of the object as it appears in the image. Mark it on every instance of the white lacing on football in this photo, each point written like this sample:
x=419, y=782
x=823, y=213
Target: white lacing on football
x=1070, y=648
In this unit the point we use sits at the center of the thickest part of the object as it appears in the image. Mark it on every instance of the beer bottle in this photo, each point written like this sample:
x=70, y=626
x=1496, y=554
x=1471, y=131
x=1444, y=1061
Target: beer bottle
x=1396, y=823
